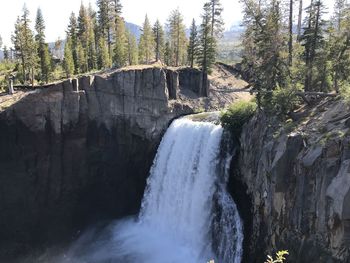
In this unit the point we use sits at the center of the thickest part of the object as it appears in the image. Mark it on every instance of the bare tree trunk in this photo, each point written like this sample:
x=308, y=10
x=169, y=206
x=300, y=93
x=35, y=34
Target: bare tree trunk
x=290, y=42
x=299, y=18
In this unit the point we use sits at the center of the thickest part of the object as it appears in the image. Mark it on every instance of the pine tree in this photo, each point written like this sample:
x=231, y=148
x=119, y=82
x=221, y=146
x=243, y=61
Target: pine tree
x=217, y=22
x=206, y=57
x=177, y=38
x=72, y=34
x=43, y=50
x=167, y=54
x=192, y=50
x=339, y=44
x=68, y=61
x=6, y=53
x=25, y=46
x=158, y=35
x=0, y=41
x=146, y=45
x=103, y=55
x=132, y=49
x=264, y=43
x=299, y=19
x=83, y=37
x=120, y=45
x=313, y=41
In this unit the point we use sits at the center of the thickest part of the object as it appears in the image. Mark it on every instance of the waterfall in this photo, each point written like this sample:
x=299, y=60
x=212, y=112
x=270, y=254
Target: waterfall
x=186, y=214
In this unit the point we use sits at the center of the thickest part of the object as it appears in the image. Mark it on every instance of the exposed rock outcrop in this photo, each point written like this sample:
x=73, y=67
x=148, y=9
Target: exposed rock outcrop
x=80, y=150
x=297, y=176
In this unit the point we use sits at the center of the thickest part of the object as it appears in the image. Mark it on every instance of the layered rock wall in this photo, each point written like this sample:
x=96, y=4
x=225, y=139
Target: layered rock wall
x=297, y=180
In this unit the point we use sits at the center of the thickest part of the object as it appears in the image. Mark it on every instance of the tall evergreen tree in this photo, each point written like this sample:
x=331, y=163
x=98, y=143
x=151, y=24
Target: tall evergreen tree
x=146, y=45
x=120, y=45
x=43, y=50
x=68, y=62
x=25, y=46
x=72, y=34
x=159, y=40
x=103, y=55
x=6, y=53
x=217, y=22
x=0, y=41
x=313, y=41
x=167, y=53
x=339, y=44
x=177, y=38
x=206, y=57
x=192, y=50
x=132, y=49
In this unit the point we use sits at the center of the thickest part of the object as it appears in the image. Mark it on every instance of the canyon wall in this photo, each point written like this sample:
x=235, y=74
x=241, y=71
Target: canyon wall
x=292, y=184
x=79, y=151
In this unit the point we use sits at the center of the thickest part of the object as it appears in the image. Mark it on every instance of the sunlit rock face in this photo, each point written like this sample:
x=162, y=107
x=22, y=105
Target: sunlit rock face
x=79, y=150
x=298, y=179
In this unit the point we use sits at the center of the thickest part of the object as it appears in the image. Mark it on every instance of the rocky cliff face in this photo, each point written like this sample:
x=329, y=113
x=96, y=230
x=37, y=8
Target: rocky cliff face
x=79, y=151
x=293, y=185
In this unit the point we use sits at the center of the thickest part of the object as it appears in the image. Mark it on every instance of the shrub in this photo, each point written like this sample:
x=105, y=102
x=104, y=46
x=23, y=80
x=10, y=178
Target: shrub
x=279, y=257
x=236, y=115
x=345, y=93
x=281, y=101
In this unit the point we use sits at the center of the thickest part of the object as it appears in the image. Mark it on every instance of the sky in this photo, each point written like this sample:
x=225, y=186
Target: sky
x=56, y=13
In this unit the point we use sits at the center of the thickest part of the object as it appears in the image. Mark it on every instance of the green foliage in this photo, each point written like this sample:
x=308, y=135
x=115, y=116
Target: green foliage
x=193, y=45
x=280, y=257
x=237, y=115
x=159, y=41
x=25, y=46
x=146, y=45
x=120, y=45
x=345, y=93
x=177, y=39
x=283, y=100
x=103, y=55
x=132, y=49
x=68, y=61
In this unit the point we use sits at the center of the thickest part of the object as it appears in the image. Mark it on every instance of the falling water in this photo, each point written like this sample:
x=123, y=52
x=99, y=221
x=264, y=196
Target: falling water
x=186, y=214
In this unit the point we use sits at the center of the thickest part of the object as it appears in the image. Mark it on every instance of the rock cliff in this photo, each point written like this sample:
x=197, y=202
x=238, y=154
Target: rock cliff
x=292, y=183
x=79, y=151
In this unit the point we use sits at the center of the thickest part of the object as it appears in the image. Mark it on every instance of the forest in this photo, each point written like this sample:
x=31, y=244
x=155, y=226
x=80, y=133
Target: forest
x=286, y=48
x=99, y=40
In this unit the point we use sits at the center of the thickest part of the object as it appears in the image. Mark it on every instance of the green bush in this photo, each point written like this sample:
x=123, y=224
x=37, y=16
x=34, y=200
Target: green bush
x=281, y=101
x=236, y=115
x=280, y=257
x=345, y=93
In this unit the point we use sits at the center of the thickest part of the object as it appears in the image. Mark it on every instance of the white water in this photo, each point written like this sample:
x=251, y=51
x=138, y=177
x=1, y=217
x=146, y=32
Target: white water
x=177, y=221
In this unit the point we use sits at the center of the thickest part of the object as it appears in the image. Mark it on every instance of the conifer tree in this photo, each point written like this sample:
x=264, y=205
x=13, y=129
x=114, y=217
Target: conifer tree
x=132, y=49
x=103, y=55
x=158, y=35
x=339, y=44
x=177, y=38
x=217, y=22
x=167, y=53
x=43, y=50
x=206, y=57
x=25, y=46
x=6, y=53
x=72, y=34
x=120, y=45
x=68, y=62
x=192, y=50
x=0, y=41
x=313, y=41
x=146, y=45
